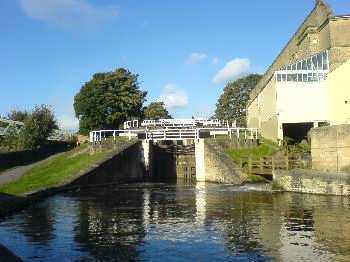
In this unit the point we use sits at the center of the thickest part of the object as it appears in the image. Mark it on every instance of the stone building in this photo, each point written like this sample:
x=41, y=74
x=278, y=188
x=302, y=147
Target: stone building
x=308, y=84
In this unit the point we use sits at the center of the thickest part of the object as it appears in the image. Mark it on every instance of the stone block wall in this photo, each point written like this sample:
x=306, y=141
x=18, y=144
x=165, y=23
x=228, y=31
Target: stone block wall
x=213, y=165
x=330, y=148
x=313, y=182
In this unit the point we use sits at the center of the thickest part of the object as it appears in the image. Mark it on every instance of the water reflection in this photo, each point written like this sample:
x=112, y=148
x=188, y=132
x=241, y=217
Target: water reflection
x=201, y=222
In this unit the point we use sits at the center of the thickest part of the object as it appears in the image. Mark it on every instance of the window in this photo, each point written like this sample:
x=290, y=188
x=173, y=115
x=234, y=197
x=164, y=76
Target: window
x=325, y=60
x=299, y=66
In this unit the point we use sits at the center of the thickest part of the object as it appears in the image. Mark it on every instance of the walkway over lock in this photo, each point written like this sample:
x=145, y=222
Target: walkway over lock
x=167, y=134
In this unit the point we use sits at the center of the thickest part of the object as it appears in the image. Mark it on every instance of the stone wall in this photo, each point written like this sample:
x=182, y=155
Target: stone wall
x=330, y=148
x=313, y=182
x=214, y=165
x=126, y=165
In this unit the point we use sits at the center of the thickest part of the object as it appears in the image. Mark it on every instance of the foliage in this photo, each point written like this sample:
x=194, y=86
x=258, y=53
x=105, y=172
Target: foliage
x=54, y=172
x=156, y=110
x=255, y=153
x=17, y=115
x=293, y=148
x=107, y=100
x=37, y=127
x=232, y=103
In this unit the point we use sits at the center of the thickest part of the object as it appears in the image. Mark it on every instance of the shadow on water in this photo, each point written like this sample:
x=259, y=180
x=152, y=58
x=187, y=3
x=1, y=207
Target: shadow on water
x=172, y=222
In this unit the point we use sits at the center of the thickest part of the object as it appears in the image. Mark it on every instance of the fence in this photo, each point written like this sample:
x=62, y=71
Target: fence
x=266, y=165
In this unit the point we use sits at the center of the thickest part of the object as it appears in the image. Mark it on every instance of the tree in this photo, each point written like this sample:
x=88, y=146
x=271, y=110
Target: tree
x=107, y=100
x=38, y=126
x=232, y=103
x=17, y=115
x=156, y=110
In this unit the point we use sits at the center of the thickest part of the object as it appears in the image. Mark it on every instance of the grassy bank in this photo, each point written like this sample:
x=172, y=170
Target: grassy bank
x=54, y=172
x=255, y=153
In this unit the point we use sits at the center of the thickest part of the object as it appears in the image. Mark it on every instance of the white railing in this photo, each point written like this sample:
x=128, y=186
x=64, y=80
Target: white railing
x=175, y=134
x=184, y=122
x=172, y=134
x=99, y=135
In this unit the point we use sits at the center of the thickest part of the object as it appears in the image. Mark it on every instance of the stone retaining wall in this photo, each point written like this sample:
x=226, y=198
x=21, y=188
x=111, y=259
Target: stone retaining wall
x=313, y=182
x=214, y=165
x=330, y=148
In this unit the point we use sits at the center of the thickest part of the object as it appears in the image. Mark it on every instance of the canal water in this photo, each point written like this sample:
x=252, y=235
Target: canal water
x=179, y=222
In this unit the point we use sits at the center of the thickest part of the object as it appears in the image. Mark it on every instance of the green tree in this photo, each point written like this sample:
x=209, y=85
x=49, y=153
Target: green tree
x=107, y=100
x=232, y=103
x=38, y=126
x=156, y=110
x=17, y=115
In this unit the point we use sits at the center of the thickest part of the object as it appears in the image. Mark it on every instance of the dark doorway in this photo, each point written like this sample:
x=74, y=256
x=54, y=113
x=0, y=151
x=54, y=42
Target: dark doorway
x=297, y=131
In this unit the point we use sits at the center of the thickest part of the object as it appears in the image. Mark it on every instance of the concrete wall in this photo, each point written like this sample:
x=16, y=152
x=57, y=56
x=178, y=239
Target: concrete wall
x=330, y=148
x=338, y=84
x=313, y=182
x=213, y=165
x=262, y=113
x=127, y=165
x=287, y=102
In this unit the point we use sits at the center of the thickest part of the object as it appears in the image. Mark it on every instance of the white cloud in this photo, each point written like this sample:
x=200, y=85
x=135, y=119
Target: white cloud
x=196, y=58
x=68, y=13
x=232, y=70
x=173, y=97
x=215, y=60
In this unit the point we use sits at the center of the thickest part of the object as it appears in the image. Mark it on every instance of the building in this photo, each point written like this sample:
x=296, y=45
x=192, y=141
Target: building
x=308, y=84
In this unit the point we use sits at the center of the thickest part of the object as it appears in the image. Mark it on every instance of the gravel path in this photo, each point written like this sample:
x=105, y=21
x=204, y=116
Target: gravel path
x=17, y=172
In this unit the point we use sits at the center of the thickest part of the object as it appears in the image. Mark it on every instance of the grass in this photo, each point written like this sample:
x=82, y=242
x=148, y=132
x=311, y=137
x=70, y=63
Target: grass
x=255, y=153
x=53, y=172
x=255, y=179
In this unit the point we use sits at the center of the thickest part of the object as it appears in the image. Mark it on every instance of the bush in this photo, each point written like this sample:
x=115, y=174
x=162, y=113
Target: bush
x=37, y=127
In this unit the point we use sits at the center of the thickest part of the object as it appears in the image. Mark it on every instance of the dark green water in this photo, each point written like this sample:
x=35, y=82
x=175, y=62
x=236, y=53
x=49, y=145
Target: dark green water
x=168, y=222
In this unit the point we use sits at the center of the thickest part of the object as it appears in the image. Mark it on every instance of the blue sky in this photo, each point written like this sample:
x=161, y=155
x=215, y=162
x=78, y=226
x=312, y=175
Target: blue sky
x=184, y=51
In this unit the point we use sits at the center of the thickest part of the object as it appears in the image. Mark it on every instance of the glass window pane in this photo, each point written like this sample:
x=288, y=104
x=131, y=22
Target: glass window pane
x=325, y=60
x=304, y=67
x=309, y=64
x=305, y=77
x=289, y=67
x=278, y=78
x=319, y=62
x=284, y=77
x=299, y=66
x=309, y=77
x=289, y=77
x=294, y=67
x=300, y=77
x=314, y=63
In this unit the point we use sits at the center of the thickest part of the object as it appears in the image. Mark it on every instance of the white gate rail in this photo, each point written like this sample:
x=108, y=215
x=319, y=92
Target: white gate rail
x=175, y=134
